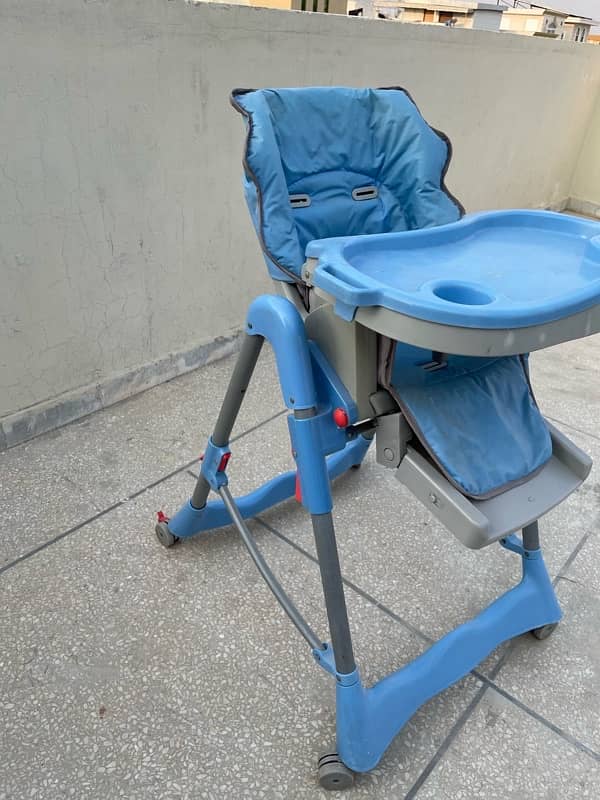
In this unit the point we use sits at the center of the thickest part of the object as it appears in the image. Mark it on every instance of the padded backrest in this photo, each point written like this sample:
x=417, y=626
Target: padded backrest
x=318, y=146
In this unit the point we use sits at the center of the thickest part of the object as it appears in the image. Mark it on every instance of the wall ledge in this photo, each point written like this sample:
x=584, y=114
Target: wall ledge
x=26, y=424
x=587, y=207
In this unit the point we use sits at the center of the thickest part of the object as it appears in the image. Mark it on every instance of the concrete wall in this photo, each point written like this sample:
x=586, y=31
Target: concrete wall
x=125, y=246
x=585, y=189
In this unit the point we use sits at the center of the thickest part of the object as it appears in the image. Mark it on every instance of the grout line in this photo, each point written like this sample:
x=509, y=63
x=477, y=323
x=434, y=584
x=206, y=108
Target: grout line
x=572, y=427
x=245, y=433
x=541, y=719
x=574, y=553
x=161, y=480
x=361, y=592
x=259, y=425
x=488, y=683
x=19, y=560
x=450, y=737
x=93, y=518
x=460, y=722
x=60, y=536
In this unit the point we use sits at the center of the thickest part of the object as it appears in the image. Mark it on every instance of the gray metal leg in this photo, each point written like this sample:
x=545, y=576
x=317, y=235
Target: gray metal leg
x=201, y=491
x=333, y=589
x=531, y=537
x=238, y=385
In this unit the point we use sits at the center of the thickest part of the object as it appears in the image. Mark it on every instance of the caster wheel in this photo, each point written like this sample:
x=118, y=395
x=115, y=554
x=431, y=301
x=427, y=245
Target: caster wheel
x=544, y=632
x=356, y=466
x=164, y=535
x=334, y=775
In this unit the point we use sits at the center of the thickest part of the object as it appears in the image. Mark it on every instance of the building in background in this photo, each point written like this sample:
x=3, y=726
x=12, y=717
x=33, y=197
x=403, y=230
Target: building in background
x=535, y=21
x=455, y=13
x=577, y=29
x=326, y=6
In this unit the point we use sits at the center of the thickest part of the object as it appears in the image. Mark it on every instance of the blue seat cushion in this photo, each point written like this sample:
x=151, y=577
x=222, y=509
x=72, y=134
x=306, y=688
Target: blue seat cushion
x=323, y=143
x=476, y=418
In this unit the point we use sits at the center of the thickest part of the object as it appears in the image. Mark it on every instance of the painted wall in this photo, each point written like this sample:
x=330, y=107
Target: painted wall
x=585, y=190
x=125, y=246
x=486, y=19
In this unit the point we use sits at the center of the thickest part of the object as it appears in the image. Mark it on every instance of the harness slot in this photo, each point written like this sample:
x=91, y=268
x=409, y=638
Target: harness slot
x=299, y=200
x=365, y=193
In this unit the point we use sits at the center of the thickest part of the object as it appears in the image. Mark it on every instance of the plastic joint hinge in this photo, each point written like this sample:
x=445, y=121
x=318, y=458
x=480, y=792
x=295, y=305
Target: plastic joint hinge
x=325, y=659
x=515, y=544
x=214, y=464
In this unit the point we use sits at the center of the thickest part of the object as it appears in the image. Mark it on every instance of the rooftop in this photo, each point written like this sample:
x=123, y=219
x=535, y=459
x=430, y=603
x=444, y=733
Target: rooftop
x=536, y=11
x=130, y=670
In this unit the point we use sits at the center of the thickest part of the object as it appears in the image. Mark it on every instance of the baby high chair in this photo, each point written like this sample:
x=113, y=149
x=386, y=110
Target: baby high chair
x=399, y=319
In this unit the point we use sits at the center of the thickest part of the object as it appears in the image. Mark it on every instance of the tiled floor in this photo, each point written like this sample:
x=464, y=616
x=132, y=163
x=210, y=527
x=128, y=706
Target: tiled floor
x=128, y=670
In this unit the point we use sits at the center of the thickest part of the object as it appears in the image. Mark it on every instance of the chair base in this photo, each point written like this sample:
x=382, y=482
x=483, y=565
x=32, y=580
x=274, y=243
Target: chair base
x=369, y=719
x=190, y=521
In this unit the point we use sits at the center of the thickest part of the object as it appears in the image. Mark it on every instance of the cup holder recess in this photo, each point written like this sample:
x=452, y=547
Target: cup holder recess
x=464, y=294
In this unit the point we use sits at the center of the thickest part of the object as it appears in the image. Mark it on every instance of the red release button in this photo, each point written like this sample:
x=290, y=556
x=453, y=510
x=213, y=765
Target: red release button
x=340, y=418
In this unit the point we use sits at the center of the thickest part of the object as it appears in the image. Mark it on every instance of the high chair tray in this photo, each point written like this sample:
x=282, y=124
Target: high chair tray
x=493, y=283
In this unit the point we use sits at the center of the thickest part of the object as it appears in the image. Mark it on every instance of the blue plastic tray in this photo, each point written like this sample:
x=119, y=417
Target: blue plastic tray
x=499, y=269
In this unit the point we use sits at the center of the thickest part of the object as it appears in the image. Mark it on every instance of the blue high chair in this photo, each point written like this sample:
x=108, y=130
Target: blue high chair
x=402, y=320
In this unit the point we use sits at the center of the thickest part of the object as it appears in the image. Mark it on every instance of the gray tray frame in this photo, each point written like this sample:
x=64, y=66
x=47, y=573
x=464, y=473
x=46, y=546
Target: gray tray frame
x=466, y=341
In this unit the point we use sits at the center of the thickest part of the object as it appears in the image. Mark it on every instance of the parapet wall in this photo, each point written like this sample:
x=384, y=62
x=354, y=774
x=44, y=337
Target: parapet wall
x=126, y=253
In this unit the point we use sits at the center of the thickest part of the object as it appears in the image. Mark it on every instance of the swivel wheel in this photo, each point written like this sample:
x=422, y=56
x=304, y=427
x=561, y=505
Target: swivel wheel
x=164, y=535
x=334, y=775
x=544, y=632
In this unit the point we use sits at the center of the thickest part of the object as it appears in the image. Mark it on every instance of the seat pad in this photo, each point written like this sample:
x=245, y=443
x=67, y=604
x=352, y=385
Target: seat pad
x=476, y=417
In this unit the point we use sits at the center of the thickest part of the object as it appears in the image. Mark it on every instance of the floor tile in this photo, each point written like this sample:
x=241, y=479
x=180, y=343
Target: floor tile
x=559, y=677
x=62, y=478
x=566, y=381
x=131, y=670
x=504, y=754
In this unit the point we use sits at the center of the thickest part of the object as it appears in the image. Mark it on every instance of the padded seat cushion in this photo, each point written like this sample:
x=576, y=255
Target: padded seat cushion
x=323, y=143
x=476, y=417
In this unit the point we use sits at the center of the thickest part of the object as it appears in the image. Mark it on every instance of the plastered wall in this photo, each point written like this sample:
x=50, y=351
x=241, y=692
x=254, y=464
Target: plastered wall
x=126, y=253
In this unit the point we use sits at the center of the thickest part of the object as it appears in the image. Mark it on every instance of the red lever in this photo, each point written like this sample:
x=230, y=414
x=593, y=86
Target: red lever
x=340, y=418
x=161, y=517
x=223, y=462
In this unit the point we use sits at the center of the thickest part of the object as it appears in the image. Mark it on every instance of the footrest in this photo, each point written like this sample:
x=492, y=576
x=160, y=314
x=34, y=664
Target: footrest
x=477, y=523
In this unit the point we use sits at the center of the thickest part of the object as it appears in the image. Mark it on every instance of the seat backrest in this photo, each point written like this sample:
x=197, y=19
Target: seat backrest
x=334, y=161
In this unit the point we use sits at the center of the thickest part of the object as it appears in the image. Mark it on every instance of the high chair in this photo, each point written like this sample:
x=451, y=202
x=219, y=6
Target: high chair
x=402, y=320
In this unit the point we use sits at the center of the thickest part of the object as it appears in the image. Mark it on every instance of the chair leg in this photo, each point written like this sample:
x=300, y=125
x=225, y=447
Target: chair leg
x=531, y=536
x=236, y=391
x=333, y=591
x=276, y=319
